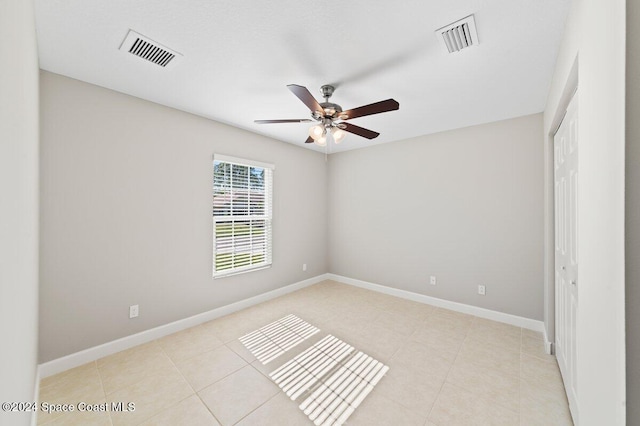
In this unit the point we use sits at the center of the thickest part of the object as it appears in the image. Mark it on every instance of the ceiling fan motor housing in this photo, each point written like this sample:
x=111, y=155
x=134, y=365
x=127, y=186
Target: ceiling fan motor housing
x=330, y=111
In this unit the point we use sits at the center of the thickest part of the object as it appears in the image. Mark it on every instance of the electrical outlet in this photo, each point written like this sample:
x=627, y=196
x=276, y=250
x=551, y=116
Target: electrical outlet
x=481, y=290
x=304, y=266
x=433, y=280
x=133, y=311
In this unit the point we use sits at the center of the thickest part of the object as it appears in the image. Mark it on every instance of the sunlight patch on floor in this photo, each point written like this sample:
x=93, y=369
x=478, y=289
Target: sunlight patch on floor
x=333, y=377
x=272, y=340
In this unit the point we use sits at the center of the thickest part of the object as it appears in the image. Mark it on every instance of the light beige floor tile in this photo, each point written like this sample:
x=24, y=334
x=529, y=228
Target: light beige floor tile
x=270, y=311
x=240, y=349
x=351, y=294
x=357, y=312
x=416, y=310
x=502, y=389
x=188, y=343
x=543, y=406
x=379, y=300
x=188, y=412
x=378, y=342
x=532, y=334
x=456, y=406
x=449, y=322
x=278, y=362
x=412, y=389
x=315, y=292
x=150, y=395
x=445, y=341
x=541, y=372
x=534, y=347
x=378, y=410
x=430, y=364
x=350, y=330
x=398, y=323
x=479, y=322
x=277, y=307
x=128, y=355
x=485, y=355
x=83, y=417
x=236, y=325
x=235, y=396
x=334, y=306
x=66, y=378
x=118, y=371
x=496, y=333
x=209, y=367
x=278, y=411
x=459, y=316
x=70, y=387
x=317, y=316
x=500, y=374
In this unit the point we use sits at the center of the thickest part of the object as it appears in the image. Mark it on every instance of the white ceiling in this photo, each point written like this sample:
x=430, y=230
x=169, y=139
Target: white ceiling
x=239, y=56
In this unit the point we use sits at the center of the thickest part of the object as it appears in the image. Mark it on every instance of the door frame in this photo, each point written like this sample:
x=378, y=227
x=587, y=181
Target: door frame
x=570, y=87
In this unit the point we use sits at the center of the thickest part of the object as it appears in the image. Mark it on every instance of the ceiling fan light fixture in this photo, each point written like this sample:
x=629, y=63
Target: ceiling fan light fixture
x=316, y=131
x=326, y=114
x=330, y=138
x=338, y=135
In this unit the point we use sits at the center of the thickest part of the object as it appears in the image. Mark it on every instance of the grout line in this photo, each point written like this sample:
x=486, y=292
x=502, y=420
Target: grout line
x=104, y=392
x=448, y=372
x=255, y=409
x=424, y=322
x=189, y=384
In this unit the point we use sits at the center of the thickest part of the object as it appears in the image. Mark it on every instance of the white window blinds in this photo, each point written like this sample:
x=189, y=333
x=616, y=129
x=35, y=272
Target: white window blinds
x=242, y=200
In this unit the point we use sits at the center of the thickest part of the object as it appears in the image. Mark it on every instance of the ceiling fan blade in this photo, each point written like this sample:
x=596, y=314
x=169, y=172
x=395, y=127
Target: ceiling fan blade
x=306, y=97
x=376, y=108
x=309, y=140
x=357, y=130
x=294, y=120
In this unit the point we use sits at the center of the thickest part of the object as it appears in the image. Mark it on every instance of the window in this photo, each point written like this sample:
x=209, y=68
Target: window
x=241, y=215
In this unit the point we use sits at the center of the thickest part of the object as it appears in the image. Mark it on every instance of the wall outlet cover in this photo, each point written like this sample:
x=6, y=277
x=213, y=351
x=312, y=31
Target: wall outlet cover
x=133, y=311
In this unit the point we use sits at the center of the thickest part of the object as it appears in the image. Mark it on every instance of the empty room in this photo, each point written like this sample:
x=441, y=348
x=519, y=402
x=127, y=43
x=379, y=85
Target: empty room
x=355, y=213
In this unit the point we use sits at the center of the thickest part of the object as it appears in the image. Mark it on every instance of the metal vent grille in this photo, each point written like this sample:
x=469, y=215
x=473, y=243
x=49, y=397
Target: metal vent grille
x=151, y=53
x=459, y=35
x=149, y=50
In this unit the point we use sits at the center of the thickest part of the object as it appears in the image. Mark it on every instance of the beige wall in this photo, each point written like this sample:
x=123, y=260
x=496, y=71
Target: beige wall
x=463, y=205
x=18, y=206
x=633, y=213
x=126, y=215
x=593, y=55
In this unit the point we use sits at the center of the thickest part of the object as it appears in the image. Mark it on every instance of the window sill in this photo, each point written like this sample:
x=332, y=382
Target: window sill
x=244, y=271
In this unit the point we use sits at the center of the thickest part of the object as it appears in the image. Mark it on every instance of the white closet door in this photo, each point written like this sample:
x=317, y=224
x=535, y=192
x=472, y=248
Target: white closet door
x=565, y=144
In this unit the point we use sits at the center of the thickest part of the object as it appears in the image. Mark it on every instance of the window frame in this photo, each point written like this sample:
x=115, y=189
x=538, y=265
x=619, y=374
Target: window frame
x=267, y=217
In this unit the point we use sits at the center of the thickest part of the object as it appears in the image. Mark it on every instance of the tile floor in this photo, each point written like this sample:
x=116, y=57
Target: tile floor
x=446, y=368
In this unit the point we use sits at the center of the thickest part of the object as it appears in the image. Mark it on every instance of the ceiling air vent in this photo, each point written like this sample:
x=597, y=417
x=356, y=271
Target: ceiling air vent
x=149, y=50
x=459, y=35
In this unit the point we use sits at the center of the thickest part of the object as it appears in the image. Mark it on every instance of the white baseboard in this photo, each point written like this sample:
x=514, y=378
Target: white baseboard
x=91, y=354
x=447, y=304
x=548, y=346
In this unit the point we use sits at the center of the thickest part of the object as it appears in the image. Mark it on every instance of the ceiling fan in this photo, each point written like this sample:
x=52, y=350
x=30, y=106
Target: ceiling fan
x=331, y=118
